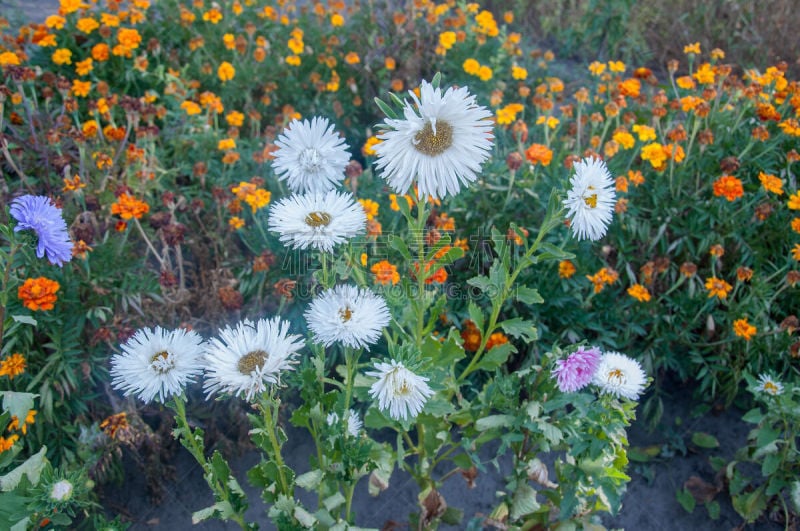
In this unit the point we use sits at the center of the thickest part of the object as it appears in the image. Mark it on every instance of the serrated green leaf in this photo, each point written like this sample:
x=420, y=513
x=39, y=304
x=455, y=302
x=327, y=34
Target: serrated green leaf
x=494, y=421
x=750, y=505
x=221, y=509
x=310, y=480
x=32, y=468
x=521, y=329
x=496, y=357
x=476, y=315
x=527, y=295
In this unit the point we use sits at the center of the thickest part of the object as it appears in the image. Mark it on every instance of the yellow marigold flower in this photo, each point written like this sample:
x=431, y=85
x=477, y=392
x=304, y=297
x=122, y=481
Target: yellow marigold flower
x=226, y=143
x=517, y=72
x=796, y=225
x=7, y=443
x=258, y=199
x=616, y=66
x=389, y=63
x=790, y=126
x=100, y=52
x=191, y=108
x=62, y=56
x=337, y=20
x=621, y=184
x=385, y=273
x=471, y=67
x=81, y=88
x=508, y=114
x=729, y=187
x=55, y=22
x=370, y=207
x=689, y=103
x=566, y=269
x=597, y=68
x=393, y=202
x=128, y=207
x=675, y=152
x=692, y=48
x=639, y=292
x=654, y=153
x=9, y=59
x=796, y=252
x=84, y=67
x=110, y=20
x=487, y=23
x=235, y=223
x=624, y=139
x=13, y=366
x=605, y=276
x=705, y=74
x=70, y=6
x=73, y=184
x=717, y=288
x=38, y=293
x=771, y=183
x=87, y=25
x=744, y=329
x=794, y=201
x=717, y=54
x=129, y=38
x=352, y=58
x=685, y=82
x=230, y=157
x=229, y=40
x=447, y=39
x=296, y=45
x=14, y=425
x=213, y=15
x=226, y=71
x=550, y=121
x=293, y=60
x=484, y=73
x=645, y=132
x=367, y=148
x=234, y=119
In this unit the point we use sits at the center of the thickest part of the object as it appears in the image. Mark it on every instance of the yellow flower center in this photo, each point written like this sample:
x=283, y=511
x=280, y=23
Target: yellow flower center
x=345, y=314
x=161, y=362
x=251, y=361
x=615, y=375
x=770, y=388
x=434, y=139
x=591, y=201
x=318, y=219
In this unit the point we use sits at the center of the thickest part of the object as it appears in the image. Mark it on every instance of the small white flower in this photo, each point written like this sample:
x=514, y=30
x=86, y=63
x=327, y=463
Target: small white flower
x=310, y=157
x=244, y=359
x=352, y=423
x=619, y=375
x=157, y=363
x=767, y=384
x=61, y=491
x=352, y=316
x=591, y=199
x=442, y=142
x=319, y=221
x=399, y=390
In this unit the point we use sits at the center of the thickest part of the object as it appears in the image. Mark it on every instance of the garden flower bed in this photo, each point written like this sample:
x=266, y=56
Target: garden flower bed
x=382, y=249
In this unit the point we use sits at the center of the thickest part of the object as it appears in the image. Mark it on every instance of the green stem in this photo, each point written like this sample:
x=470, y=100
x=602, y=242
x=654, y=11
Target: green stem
x=419, y=303
x=269, y=420
x=3, y=294
x=348, y=495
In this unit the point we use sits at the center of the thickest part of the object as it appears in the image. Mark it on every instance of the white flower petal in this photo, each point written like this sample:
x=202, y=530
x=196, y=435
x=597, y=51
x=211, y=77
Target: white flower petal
x=399, y=390
x=619, y=375
x=348, y=315
x=590, y=202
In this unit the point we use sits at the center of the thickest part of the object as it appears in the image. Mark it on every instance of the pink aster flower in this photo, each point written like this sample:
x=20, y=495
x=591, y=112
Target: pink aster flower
x=576, y=372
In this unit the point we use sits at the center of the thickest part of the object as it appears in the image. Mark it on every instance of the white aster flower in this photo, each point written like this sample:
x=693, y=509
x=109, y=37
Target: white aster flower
x=619, y=375
x=244, y=359
x=320, y=221
x=442, y=142
x=352, y=422
x=591, y=199
x=61, y=491
x=399, y=390
x=310, y=157
x=767, y=384
x=157, y=363
x=352, y=316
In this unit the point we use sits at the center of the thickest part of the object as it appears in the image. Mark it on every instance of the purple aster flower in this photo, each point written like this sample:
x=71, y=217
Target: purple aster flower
x=576, y=372
x=35, y=212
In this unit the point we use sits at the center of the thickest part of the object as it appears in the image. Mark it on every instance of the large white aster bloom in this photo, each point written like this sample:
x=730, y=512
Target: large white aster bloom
x=311, y=157
x=399, y=390
x=590, y=202
x=619, y=375
x=349, y=315
x=441, y=142
x=247, y=357
x=319, y=221
x=352, y=422
x=157, y=363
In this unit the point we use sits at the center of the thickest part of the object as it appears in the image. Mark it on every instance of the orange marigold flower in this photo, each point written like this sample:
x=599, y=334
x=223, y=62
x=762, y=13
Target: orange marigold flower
x=129, y=38
x=728, y=187
x=771, y=183
x=498, y=338
x=12, y=366
x=605, y=276
x=471, y=336
x=692, y=48
x=62, y=56
x=794, y=201
x=385, y=273
x=717, y=288
x=191, y=108
x=717, y=250
x=539, y=154
x=213, y=15
x=38, y=293
x=744, y=329
x=226, y=71
x=226, y=143
x=796, y=225
x=654, y=153
x=370, y=208
x=235, y=223
x=6, y=443
x=114, y=423
x=234, y=119
x=639, y=292
x=744, y=274
x=566, y=269
x=128, y=207
x=14, y=425
x=796, y=252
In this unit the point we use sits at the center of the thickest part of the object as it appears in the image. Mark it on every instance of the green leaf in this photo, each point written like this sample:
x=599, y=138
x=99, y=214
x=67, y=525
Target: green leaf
x=437, y=79
x=221, y=510
x=713, y=509
x=686, y=500
x=521, y=329
x=17, y=404
x=384, y=107
x=310, y=480
x=551, y=252
x=704, y=440
x=32, y=468
x=527, y=295
x=524, y=501
x=24, y=319
x=399, y=245
x=496, y=357
x=334, y=501
x=476, y=314
x=396, y=100
x=750, y=505
x=771, y=464
x=754, y=416
x=494, y=421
